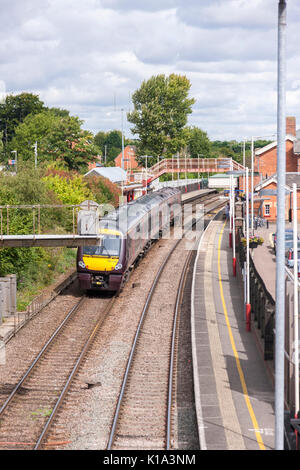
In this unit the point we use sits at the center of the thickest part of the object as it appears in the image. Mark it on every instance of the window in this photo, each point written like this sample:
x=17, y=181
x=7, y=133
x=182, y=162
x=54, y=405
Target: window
x=267, y=210
x=110, y=246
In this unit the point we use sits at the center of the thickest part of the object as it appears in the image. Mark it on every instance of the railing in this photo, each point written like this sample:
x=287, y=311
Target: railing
x=19, y=319
x=188, y=165
x=39, y=213
x=262, y=303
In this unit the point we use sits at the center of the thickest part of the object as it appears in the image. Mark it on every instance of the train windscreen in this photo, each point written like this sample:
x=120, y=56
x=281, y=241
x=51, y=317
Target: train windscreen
x=110, y=246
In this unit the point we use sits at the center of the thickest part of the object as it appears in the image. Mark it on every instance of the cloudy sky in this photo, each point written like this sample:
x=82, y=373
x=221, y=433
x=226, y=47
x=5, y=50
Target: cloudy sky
x=89, y=56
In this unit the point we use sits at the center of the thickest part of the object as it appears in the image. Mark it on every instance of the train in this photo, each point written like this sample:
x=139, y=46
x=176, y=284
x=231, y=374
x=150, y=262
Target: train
x=128, y=233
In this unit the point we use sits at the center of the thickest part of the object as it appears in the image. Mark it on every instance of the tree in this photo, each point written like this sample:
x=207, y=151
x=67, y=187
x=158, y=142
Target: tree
x=14, y=110
x=110, y=144
x=58, y=138
x=161, y=107
x=198, y=142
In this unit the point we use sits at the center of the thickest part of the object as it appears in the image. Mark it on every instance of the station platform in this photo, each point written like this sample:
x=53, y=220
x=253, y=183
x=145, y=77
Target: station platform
x=234, y=394
x=189, y=196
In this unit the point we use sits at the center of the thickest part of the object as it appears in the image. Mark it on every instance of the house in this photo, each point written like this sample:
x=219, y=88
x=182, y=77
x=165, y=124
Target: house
x=265, y=173
x=115, y=175
x=267, y=196
x=130, y=162
x=265, y=160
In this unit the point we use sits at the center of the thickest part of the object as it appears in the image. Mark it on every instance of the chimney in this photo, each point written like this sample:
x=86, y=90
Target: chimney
x=291, y=125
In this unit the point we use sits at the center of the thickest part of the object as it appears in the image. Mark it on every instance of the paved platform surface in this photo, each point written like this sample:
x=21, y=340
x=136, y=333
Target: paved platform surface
x=194, y=194
x=234, y=394
x=264, y=257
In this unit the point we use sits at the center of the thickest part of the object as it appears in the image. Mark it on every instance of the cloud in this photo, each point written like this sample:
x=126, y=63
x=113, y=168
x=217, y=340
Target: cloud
x=91, y=59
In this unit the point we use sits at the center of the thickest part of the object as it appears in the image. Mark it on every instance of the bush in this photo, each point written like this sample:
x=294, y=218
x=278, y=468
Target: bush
x=37, y=267
x=104, y=191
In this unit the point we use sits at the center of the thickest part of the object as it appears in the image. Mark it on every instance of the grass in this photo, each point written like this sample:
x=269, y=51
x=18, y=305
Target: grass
x=41, y=412
x=41, y=274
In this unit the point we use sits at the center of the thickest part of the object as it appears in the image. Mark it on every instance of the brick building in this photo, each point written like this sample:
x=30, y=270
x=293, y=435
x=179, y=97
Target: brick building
x=265, y=173
x=267, y=191
x=265, y=163
x=130, y=162
x=95, y=164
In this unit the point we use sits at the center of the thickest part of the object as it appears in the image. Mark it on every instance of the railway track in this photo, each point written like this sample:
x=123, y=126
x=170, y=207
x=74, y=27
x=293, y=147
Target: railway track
x=143, y=416
x=32, y=405
x=34, y=402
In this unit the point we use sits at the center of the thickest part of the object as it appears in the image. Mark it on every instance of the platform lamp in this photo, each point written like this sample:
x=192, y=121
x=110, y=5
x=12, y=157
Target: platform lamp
x=185, y=173
x=199, y=155
x=296, y=310
x=233, y=173
x=146, y=157
x=280, y=227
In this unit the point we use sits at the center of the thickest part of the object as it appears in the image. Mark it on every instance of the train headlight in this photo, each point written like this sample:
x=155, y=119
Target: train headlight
x=81, y=264
x=118, y=266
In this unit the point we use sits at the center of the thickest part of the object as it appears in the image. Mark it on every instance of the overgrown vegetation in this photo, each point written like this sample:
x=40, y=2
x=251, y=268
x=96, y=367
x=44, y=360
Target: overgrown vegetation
x=38, y=267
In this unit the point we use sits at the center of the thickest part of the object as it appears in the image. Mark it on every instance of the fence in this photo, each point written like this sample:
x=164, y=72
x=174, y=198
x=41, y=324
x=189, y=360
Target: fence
x=262, y=303
x=39, y=215
x=8, y=309
x=289, y=340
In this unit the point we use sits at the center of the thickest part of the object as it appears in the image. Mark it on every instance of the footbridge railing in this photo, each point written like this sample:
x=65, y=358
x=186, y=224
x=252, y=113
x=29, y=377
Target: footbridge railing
x=188, y=165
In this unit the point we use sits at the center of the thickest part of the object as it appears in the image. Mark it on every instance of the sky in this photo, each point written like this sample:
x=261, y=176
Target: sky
x=89, y=56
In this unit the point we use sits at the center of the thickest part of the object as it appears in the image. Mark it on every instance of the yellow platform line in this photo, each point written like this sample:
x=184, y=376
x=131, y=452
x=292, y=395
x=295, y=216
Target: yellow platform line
x=238, y=363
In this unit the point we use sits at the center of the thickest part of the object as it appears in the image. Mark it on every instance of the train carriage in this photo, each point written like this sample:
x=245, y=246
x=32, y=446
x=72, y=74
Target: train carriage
x=127, y=234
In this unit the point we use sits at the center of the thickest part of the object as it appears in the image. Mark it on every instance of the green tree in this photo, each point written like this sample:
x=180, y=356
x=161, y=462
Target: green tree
x=109, y=143
x=198, y=142
x=58, y=138
x=13, y=111
x=70, y=190
x=161, y=107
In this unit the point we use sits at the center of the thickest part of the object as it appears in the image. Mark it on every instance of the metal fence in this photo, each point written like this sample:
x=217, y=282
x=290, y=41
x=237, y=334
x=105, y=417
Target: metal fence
x=39, y=215
x=8, y=305
x=262, y=302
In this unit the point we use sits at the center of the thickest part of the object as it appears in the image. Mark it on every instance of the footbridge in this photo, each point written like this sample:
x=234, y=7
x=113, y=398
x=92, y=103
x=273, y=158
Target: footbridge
x=188, y=165
x=82, y=222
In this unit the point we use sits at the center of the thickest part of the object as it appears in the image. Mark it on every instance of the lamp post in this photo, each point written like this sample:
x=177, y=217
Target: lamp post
x=252, y=184
x=122, y=138
x=280, y=228
x=248, y=306
x=230, y=205
x=244, y=162
x=35, y=154
x=185, y=173
x=233, y=173
x=253, y=138
x=199, y=155
x=233, y=230
x=296, y=311
x=146, y=157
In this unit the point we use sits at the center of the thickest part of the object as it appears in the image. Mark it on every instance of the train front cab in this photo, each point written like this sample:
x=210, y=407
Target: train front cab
x=101, y=267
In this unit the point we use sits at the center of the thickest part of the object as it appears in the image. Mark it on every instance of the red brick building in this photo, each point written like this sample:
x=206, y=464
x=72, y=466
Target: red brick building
x=130, y=162
x=95, y=164
x=267, y=190
x=265, y=163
